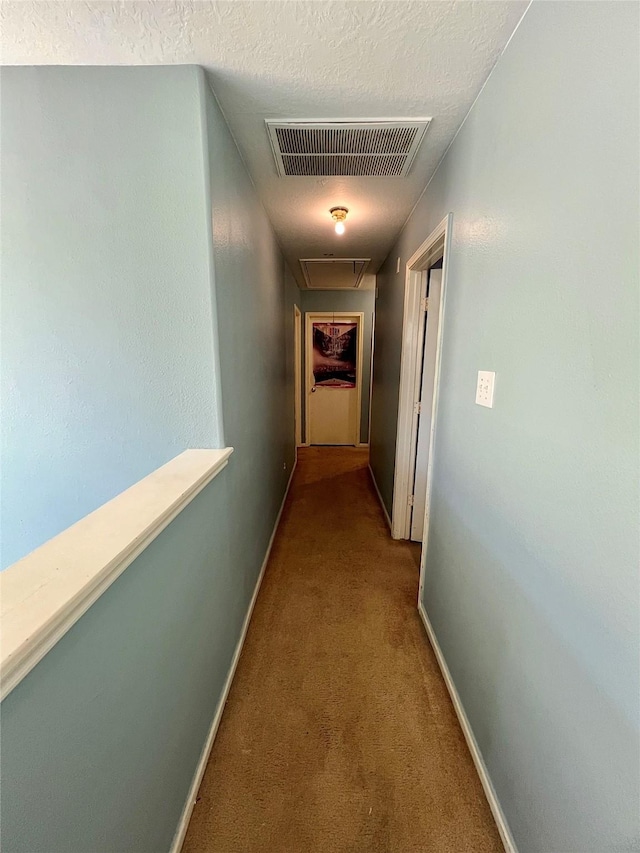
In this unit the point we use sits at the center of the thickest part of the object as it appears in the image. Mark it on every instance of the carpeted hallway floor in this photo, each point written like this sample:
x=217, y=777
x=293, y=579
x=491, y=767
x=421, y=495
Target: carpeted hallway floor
x=339, y=735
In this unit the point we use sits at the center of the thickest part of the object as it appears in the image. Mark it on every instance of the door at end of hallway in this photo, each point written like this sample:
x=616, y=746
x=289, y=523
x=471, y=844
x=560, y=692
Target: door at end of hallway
x=333, y=377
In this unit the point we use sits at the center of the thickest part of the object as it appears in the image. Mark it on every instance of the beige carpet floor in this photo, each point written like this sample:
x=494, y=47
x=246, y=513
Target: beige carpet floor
x=339, y=735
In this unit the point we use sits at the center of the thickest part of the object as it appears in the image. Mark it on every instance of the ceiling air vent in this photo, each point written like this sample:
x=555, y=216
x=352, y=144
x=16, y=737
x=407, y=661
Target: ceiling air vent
x=378, y=149
x=333, y=273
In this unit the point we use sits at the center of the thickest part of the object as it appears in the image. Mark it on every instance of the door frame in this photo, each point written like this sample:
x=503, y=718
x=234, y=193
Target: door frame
x=297, y=378
x=435, y=246
x=331, y=316
x=418, y=477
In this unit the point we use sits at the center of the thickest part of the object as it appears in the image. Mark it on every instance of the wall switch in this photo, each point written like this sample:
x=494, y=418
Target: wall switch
x=484, y=390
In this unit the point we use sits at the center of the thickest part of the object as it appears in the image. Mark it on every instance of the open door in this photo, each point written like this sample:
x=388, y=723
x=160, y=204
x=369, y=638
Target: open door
x=425, y=402
x=333, y=371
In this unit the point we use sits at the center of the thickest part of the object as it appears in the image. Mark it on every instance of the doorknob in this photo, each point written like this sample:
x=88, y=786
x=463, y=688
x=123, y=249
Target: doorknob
x=313, y=390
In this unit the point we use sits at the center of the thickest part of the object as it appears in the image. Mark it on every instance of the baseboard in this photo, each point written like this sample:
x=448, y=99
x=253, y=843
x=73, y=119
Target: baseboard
x=183, y=825
x=363, y=444
x=375, y=486
x=483, y=773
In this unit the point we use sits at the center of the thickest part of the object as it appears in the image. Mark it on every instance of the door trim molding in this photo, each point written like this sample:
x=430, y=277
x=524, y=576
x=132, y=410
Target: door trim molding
x=319, y=316
x=435, y=246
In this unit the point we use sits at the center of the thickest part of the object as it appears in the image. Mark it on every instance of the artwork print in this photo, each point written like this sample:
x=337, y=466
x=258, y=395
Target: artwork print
x=334, y=354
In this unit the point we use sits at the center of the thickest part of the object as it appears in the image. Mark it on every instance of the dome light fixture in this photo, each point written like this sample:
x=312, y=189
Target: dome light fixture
x=339, y=214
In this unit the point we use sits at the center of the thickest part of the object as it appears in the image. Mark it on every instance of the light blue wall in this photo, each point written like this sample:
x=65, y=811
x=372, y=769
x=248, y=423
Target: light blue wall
x=292, y=297
x=345, y=300
x=253, y=301
x=101, y=740
x=532, y=580
x=107, y=342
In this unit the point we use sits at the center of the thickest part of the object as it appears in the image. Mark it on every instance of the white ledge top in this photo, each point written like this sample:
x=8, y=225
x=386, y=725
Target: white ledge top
x=46, y=592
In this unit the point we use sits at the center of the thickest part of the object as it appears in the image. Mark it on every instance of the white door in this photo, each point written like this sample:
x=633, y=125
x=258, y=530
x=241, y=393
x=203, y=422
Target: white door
x=426, y=405
x=333, y=346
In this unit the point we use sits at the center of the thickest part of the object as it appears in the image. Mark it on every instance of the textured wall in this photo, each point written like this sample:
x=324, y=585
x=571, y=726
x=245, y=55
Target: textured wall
x=292, y=297
x=345, y=300
x=107, y=344
x=104, y=735
x=101, y=740
x=253, y=301
x=532, y=570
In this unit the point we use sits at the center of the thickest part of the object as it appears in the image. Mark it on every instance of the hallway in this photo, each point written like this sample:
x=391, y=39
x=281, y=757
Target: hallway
x=338, y=734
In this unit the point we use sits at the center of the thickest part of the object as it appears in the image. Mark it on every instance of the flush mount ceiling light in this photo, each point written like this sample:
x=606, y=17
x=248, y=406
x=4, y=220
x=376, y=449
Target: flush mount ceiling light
x=339, y=214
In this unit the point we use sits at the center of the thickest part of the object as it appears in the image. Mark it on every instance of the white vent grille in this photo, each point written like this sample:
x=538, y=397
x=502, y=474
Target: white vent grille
x=353, y=149
x=333, y=273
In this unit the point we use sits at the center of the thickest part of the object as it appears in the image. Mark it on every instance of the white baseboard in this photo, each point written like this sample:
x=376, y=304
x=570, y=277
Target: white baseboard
x=183, y=825
x=465, y=725
x=384, y=509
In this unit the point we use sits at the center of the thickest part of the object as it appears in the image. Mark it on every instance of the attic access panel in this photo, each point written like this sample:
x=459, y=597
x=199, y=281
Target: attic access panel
x=333, y=273
x=377, y=148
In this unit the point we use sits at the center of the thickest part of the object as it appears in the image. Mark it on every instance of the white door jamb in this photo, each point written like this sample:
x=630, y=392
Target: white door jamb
x=434, y=247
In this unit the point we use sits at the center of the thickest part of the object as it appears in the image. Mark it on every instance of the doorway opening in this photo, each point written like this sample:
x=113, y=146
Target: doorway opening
x=333, y=377
x=425, y=287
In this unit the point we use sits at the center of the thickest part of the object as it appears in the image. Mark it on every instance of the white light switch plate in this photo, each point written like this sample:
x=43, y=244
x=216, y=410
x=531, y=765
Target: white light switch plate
x=484, y=390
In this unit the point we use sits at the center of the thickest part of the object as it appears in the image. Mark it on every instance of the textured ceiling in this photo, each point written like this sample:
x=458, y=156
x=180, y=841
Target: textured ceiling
x=289, y=59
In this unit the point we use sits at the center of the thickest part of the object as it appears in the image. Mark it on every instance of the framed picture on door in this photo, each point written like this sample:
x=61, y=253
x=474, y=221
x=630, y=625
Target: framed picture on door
x=335, y=354
x=333, y=376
